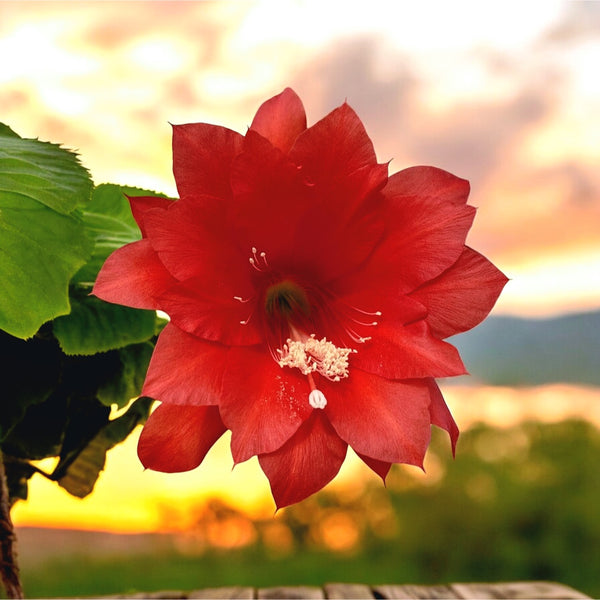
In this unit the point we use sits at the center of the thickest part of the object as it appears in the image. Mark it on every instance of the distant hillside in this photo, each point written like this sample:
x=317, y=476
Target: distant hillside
x=515, y=351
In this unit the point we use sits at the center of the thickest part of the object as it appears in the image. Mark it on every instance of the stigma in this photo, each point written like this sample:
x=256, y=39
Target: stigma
x=317, y=399
x=312, y=355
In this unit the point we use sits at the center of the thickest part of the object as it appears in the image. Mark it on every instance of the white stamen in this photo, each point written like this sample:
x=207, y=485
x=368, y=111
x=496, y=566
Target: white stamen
x=357, y=316
x=317, y=399
x=251, y=260
x=245, y=301
x=371, y=324
x=376, y=313
x=357, y=338
x=316, y=355
x=255, y=260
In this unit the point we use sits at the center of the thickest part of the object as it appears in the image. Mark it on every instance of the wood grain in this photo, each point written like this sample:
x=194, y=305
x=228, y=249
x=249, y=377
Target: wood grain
x=414, y=591
x=341, y=591
x=285, y=593
x=515, y=590
x=223, y=593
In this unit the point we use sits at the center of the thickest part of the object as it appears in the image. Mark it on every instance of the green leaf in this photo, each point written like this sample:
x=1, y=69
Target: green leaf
x=82, y=473
x=7, y=131
x=43, y=172
x=97, y=326
x=109, y=222
x=42, y=238
x=128, y=383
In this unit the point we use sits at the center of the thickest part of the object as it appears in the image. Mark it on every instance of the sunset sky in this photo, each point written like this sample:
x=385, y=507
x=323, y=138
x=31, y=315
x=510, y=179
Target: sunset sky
x=503, y=94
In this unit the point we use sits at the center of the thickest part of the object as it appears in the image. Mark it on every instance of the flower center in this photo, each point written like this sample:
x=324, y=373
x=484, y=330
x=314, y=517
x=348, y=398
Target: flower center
x=289, y=311
x=320, y=356
x=286, y=299
x=312, y=355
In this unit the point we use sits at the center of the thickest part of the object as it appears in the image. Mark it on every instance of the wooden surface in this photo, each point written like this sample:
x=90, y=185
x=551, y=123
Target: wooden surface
x=540, y=590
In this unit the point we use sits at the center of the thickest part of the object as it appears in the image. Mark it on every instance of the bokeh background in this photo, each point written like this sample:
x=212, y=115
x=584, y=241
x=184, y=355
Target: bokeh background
x=505, y=94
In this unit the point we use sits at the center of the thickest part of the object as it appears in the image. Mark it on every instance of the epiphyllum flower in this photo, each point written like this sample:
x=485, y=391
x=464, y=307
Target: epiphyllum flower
x=308, y=293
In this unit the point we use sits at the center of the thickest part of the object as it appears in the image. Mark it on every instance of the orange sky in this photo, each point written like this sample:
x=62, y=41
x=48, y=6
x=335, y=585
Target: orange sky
x=505, y=95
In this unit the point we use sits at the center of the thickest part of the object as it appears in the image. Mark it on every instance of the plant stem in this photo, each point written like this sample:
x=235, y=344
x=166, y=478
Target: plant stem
x=9, y=568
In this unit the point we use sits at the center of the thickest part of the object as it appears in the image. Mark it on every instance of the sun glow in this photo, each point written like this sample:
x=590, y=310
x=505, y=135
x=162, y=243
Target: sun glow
x=129, y=499
x=549, y=285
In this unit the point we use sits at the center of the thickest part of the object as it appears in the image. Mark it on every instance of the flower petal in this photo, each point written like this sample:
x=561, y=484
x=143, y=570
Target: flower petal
x=356, y=307
x=473, y=282
x=134, y=276
x=212, y=312
x=428, y=223
x=306, y=463
x=270, y=198
x=318, y=230
x=340, y=226
x=177, y=438
x=281, y=119
x=193, y=240
x=380, y=467
x=440, y=415
x=142, y=204
x=202, y=156
x=262, y=403
x=381, y=419
x=185, y=369
x=398, y=351
x=338, y=165
x=334, y=147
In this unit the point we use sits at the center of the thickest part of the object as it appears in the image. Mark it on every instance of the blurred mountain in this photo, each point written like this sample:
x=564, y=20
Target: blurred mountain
x=514, y=351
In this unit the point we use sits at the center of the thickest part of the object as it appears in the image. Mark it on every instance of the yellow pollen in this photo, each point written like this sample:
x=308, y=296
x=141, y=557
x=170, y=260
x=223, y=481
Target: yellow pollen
x=312, y=355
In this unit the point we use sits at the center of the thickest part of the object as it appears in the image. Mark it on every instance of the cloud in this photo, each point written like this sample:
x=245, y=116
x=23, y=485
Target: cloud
x=531, y=204
x=579, y=21
x=514, y=119
x=373, y=78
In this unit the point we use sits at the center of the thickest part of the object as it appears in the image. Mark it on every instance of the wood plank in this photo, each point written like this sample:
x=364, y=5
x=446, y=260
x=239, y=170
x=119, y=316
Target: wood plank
x=515, y=590
x=345, y=591
x=289, y=593
x=544, y=590
x=404, y=592
x=223, y=593
x=164, y=594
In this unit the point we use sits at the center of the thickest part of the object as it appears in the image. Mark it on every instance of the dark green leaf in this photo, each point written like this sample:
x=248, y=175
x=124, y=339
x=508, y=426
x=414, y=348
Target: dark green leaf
x=96, y=326
x=18, y=473
x=39, y=434
x=128, y=383
x=30, y=372
x=87, y=417
x=83, y=472
x=42, y=239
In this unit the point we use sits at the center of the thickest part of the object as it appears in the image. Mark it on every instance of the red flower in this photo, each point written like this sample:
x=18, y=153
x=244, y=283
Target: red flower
x=308, y=293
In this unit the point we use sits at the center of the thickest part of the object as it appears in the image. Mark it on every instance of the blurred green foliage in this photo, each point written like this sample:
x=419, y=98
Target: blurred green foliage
x=517, y=504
